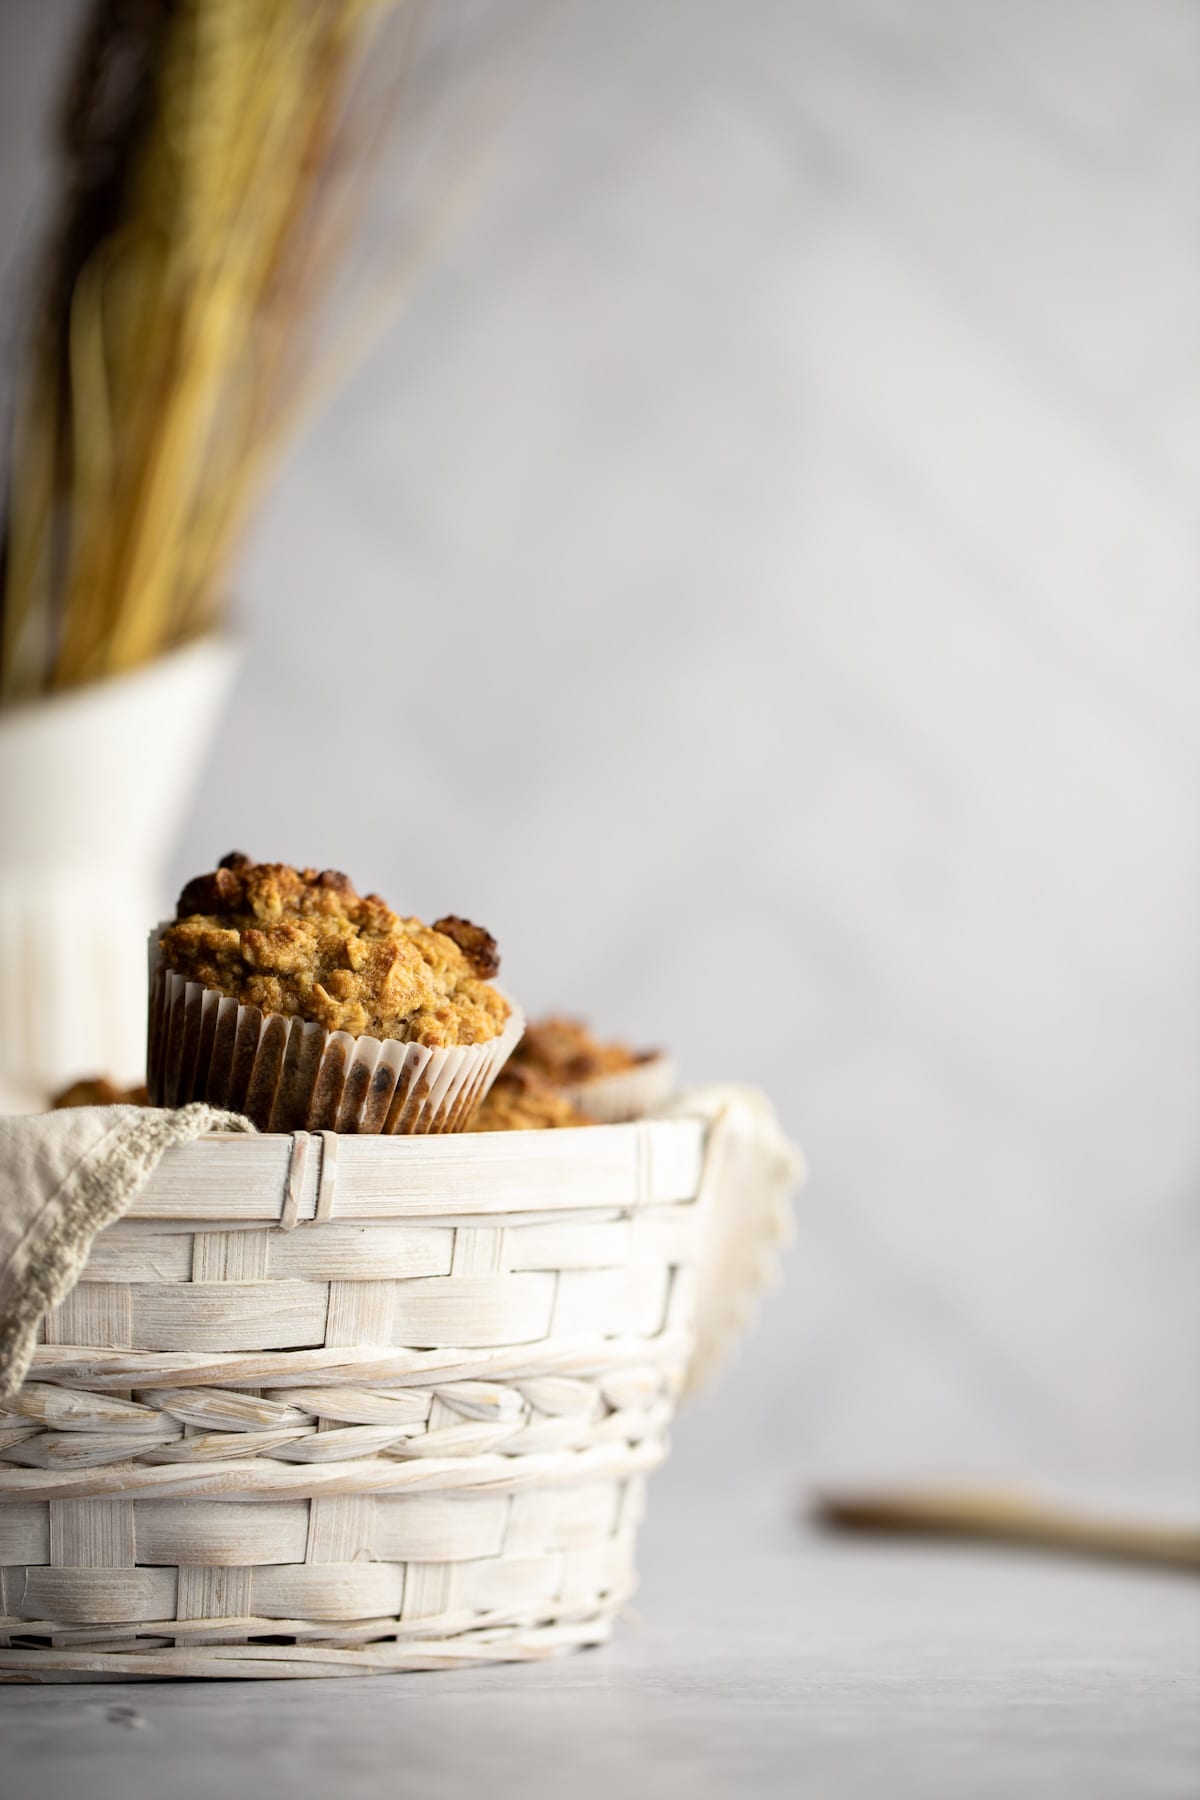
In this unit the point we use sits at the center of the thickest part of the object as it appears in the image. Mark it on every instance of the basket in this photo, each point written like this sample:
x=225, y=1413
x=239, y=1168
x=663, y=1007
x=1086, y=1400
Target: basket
x=343, y=1405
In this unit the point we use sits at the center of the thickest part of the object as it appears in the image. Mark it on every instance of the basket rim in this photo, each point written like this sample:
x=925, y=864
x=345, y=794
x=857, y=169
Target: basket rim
x=295, y=1178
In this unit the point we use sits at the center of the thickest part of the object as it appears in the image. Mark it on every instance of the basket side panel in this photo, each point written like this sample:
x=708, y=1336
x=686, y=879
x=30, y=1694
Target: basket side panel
x=351, y=1442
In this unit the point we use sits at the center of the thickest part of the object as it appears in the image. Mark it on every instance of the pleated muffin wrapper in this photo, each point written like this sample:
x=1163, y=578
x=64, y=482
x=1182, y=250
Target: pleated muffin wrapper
x=632, y=1093
x=290, y=1074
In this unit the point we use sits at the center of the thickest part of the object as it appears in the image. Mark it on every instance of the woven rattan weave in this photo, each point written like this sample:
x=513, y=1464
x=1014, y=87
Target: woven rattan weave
x=335, y=1405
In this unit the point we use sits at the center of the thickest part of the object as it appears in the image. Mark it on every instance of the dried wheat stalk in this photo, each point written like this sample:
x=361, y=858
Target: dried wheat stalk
x=205, y=149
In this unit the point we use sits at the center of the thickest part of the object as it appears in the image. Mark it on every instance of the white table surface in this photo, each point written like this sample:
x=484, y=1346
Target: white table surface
x=763, y=1660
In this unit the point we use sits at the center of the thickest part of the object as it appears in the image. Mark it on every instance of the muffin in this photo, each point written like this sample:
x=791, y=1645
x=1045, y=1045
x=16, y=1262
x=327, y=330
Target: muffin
x=522, y=1100
x=98, y=1090
x=286, y=995
x=608, y=1081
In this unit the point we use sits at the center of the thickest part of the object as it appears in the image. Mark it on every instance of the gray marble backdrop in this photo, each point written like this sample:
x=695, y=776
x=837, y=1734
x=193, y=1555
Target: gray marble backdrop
x=756, y=575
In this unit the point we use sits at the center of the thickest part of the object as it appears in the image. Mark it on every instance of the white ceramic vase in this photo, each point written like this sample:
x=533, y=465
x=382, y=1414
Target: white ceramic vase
x=92, y=786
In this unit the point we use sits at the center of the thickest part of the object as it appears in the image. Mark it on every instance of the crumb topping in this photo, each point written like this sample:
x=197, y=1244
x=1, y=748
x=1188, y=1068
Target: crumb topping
x=522, y=1100
x=306, y=944
x=564, y=1051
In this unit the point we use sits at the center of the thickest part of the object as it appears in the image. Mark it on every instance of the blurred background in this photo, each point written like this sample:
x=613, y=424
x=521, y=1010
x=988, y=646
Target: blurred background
x=755, y=573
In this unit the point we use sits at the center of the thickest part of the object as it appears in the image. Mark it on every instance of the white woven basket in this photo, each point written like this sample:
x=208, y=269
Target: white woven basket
x=340, y=1405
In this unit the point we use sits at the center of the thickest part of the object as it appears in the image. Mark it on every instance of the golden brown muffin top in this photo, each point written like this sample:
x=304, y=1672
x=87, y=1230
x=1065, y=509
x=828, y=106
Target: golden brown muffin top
x=522, y=1100
x=98, y=1090
x=304, y=943
x=564, y=1051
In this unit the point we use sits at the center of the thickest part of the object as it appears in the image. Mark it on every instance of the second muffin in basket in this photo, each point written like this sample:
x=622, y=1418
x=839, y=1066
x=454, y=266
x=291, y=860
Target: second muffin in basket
x=285, y=994
x=606, y=1080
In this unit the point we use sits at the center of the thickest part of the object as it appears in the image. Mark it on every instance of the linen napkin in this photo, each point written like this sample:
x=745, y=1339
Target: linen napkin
x=751, y=1173
x=64, y=1176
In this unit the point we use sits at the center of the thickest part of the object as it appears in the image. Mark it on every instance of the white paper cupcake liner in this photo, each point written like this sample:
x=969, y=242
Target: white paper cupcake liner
x=627, y=1094
x=292, y=1075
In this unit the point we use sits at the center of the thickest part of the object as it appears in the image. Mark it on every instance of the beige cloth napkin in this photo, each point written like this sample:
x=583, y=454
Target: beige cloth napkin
x=751, y=1172
x=64, y=1176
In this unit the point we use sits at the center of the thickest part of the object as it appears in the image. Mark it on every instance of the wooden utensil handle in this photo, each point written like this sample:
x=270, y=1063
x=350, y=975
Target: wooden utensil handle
x=1002, y=1516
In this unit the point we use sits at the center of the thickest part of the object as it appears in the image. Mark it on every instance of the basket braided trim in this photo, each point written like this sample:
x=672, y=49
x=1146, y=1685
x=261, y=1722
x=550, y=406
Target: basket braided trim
x=275, y=1662
x=78, y=1365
